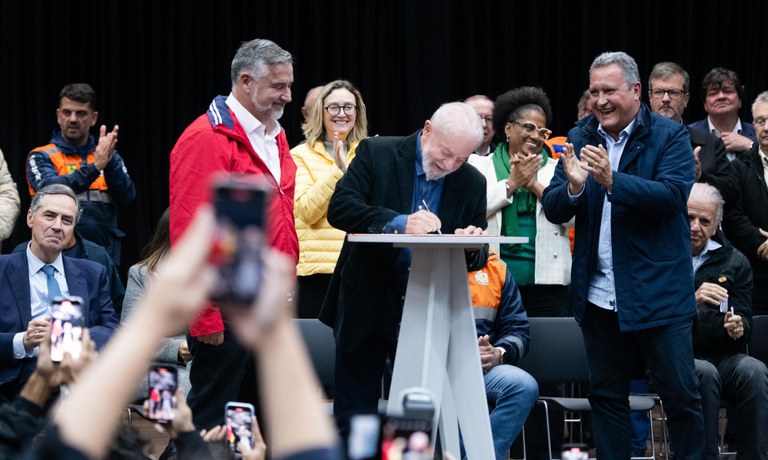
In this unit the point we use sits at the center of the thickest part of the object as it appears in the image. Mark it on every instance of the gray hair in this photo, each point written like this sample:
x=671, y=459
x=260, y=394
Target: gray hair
x=761, y=98
x=667, y=70
x=709, y=194
x=454, y=117
x=623, y=60
x=54, y=189
x=255, y=56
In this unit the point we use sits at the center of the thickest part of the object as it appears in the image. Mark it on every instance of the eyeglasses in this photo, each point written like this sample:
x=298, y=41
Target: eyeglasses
x=759, y=121
x=673, y=93
x=530, y=128
x=334, y=109
x=486, y=119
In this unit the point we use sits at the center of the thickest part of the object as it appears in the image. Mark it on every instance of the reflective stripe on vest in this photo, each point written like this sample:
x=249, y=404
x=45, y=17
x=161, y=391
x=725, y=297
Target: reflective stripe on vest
x=65, y=164
x=485, y=286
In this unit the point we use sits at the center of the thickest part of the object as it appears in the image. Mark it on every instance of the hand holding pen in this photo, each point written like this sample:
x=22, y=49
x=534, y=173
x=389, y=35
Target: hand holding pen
x=422, y=221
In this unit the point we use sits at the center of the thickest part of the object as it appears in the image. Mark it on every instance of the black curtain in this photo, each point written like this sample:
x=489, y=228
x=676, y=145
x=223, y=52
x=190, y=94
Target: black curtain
x=156, y=65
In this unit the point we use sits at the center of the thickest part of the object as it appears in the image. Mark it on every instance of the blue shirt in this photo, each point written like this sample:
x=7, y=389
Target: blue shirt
x=602, y=285
x=38, y=297
x=424, y=191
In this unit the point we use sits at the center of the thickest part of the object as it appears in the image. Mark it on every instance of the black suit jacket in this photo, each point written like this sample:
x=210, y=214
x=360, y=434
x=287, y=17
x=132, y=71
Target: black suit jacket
x=376, y=188
x=715, y=166
x=85, y=279
x=749, y=211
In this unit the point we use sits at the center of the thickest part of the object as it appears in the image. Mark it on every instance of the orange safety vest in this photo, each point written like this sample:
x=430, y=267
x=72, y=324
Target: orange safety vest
x=66, y=164
x=486, y=284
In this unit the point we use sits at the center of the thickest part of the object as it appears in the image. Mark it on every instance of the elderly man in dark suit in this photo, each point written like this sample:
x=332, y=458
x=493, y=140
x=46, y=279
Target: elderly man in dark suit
x=417, y=184
x=625, y=174
x=26, y=287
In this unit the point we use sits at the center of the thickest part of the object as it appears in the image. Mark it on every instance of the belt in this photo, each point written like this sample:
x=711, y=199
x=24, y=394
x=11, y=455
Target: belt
x=95, y=195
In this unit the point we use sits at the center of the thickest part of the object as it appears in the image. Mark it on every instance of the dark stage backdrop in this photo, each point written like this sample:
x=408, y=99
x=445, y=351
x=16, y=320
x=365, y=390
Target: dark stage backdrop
x=157, y=64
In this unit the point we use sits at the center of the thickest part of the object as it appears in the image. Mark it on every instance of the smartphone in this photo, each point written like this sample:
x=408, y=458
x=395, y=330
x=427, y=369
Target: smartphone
x=239, y=420
x=240, y=203
x=375, y=437
x=66, y=327
x=161, y=400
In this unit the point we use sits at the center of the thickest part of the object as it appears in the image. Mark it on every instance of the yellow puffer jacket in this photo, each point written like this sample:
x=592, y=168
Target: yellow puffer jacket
x=316, y=177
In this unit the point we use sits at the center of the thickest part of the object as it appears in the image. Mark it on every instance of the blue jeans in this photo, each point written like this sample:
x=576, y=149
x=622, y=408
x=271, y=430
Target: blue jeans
x=511, y=394
x=668, y=352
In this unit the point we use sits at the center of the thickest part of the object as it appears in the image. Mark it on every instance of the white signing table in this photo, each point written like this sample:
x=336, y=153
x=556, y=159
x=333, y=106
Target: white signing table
x=437, y=347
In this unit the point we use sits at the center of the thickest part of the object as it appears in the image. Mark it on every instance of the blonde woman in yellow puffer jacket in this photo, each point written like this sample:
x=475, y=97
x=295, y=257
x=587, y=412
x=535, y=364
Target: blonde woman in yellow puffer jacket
x=337, y=122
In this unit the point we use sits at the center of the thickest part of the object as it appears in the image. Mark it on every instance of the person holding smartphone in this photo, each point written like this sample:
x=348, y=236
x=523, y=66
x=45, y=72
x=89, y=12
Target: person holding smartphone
x=239, y=134
x=300, y=428
x=33, y=278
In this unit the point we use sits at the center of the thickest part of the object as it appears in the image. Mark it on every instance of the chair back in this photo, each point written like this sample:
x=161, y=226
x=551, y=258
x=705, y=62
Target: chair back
x=557, y=353
x=321, y=347
x=758, y=339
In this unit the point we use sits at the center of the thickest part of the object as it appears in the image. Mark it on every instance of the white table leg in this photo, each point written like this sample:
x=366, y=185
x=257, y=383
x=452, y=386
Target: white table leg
x=438, y=341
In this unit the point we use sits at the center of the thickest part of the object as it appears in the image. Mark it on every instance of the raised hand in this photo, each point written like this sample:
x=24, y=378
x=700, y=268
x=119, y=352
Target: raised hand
x=577, y=175
x=595, y=161
x=338, y=153
x=105, y=147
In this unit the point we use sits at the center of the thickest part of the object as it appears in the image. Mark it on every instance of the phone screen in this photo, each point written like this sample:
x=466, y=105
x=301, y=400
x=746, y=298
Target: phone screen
x=66, y=327
x=239, y=419
x=239, y=238
x=373, y=437
x=161, y=401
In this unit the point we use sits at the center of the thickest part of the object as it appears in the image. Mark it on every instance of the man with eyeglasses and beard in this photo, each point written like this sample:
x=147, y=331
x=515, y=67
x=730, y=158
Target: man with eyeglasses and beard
x=668, y=93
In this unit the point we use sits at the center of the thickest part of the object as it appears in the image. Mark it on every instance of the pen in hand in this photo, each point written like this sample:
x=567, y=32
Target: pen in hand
x=426, y=208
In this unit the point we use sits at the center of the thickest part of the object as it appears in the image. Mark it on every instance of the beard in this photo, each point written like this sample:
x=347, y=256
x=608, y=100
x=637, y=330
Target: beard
x=427, y=164
x=268, y=111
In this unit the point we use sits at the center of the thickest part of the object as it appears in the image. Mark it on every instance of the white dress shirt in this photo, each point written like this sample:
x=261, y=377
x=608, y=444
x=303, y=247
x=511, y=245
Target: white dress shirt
x=264, y=143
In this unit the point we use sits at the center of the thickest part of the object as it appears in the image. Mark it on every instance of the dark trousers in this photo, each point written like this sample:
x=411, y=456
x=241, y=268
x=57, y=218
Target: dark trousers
x=742, y=381
x=358, y=379
x=668, y=352
x=312, y=290
x=219, y=374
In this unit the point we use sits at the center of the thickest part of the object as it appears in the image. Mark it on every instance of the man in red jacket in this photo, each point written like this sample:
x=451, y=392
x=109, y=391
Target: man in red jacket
x=240, y=133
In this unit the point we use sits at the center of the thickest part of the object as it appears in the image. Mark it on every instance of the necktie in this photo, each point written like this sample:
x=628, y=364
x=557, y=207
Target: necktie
x=53, y=286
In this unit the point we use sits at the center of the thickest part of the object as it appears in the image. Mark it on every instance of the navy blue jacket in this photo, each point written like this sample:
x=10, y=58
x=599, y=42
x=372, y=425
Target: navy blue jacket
x=649, y=222
x=85, y=279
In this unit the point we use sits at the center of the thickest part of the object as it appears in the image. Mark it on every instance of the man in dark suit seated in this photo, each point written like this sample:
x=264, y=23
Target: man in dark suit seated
x=25, y=314
x=722, y=92
x=418, y=184
x=668, y=92
x=79, y=248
